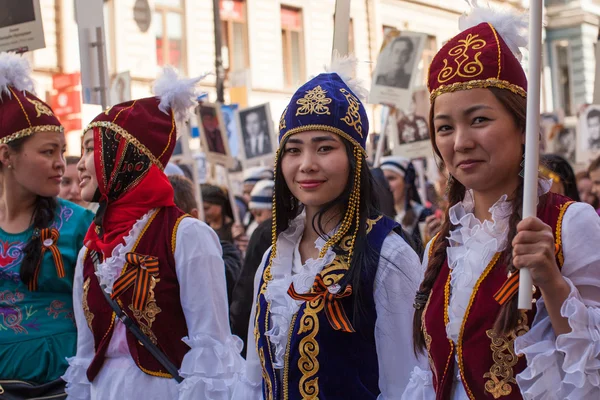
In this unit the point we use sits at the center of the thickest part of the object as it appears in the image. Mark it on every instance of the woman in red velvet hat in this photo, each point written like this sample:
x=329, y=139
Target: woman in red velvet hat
x=40, y=236
x=478, y=343
x=162, y=269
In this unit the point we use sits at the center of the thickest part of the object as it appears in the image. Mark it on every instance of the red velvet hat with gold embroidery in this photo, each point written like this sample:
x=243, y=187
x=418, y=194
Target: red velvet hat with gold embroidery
x=149, y=123
x=21, y=112
x=485, y=54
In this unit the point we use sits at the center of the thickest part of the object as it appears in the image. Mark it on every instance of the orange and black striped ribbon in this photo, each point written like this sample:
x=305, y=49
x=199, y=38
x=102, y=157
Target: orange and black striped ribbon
x=333, y=307
x=139, y=276
x=45, y=235
x=511, y=286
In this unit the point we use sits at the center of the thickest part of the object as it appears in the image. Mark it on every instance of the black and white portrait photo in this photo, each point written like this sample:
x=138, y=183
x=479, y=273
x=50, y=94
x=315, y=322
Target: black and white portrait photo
x=592, y=121
x=212, y=134
x=397, y=67
x=16, y=12
x=256, y=131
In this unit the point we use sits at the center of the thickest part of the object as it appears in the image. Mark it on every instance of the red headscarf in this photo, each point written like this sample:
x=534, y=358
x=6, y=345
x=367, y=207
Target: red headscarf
x=129, y=186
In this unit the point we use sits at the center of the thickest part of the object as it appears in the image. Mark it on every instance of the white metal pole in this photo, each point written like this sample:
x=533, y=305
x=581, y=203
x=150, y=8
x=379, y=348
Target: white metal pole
x=532, y=146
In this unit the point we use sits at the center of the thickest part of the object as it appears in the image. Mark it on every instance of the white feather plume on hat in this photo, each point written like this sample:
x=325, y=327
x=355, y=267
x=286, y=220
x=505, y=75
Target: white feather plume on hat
x=15, y=72
x=511, y=26
x=345, y=66
x=176, y=93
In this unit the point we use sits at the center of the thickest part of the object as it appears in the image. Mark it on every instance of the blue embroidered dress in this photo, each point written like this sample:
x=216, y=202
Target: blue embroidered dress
x=37, y=329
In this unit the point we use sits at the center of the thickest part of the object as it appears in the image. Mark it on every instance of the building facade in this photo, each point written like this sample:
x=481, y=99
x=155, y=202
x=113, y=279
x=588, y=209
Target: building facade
x=272, y=46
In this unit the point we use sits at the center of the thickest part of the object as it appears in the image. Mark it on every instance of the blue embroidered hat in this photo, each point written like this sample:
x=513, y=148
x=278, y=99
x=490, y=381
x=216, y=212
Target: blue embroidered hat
x=329, y=102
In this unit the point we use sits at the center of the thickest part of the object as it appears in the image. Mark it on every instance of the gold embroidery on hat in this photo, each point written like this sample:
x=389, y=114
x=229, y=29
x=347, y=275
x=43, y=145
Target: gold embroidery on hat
x=40, y=108
x=464, y=67
x=352, y=117
x=477, y=84
x=314, y=101
x=30, y=131
x=282, y=125
x=502, y=374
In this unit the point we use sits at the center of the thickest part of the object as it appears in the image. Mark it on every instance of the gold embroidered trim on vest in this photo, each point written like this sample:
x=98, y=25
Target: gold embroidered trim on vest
x=446, y=320
x=485, y=273
x=314, y=101
x=428, y=340
x=266, y=379
x=286, y=365
x=174, y=233
x=159, y=374
x=146, y=317
x=558, y=233
x=309, y=350
x=503, y=353
x=84, y=303
x=371, y=223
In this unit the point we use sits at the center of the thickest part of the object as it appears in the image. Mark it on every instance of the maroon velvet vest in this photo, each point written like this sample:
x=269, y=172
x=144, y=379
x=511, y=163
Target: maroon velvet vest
x=487, y=362
x=161, y=319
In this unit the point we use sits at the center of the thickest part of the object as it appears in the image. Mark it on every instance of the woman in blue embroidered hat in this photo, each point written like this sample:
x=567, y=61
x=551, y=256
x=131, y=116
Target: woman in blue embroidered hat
x=40, y=236
x=332, y=303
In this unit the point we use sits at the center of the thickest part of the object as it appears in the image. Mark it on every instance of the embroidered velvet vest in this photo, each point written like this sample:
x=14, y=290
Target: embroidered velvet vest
x=321, y=362
x=161, y=317
x=487, y=362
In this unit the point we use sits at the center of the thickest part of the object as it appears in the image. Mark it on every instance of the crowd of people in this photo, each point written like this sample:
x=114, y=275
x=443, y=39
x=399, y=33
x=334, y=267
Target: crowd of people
x=336, y=279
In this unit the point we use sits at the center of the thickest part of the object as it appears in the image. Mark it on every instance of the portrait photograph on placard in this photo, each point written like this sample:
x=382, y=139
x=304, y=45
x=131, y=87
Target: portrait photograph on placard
x=397, y=68
x=213, y=134
x=588, y=140
x=256, y=132
x=409, y=130
x=229, y=111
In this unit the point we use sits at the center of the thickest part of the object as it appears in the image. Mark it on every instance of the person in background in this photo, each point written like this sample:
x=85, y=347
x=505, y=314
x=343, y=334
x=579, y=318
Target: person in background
x=402, y=178
x=253, y=175
x=584, y=186
x=161, y=269
x=184, y=198
x=69, y=185
x=261, y=203
x=40, y=236
x=562, y=175
x=217, y=211
x=218, y=214
x=386, y=197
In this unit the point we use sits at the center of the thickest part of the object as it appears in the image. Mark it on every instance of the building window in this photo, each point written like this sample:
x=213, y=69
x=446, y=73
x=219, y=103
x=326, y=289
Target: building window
x=292, y=45
x=235, y=35
x=429, y=51
x=169, y=31
x=563, y=76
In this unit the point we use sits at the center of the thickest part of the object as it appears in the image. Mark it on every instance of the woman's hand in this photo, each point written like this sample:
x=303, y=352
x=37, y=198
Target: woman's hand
x=533, y=247
x=433, y=224
x=240, y=239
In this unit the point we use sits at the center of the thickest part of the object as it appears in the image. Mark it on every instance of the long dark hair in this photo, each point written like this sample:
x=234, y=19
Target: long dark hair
x=288, y=208
x=507, y=319
x=43, y=214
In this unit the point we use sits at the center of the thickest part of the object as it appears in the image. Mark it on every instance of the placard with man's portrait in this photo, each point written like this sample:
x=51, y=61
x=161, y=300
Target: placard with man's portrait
x=397, y=68
x=588, y=140
x=256, y=133
x=213, y=134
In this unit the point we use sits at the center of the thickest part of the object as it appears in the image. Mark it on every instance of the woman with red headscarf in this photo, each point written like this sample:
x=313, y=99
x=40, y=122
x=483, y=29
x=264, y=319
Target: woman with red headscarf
x=146, y=268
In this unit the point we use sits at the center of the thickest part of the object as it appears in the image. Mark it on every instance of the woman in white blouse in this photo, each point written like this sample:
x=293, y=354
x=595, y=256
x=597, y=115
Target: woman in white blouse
x=162, y=269
x=331, y=315
x=478, y=343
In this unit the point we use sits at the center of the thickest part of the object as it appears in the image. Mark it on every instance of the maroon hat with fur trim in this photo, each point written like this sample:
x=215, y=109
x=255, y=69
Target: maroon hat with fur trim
x=21, y=113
